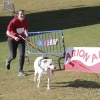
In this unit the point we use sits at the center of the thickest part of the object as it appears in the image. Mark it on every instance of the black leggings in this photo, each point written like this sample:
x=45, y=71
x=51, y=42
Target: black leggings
x=13, y=45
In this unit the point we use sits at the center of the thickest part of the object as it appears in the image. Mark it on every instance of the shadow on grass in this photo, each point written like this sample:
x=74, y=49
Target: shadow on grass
x=79, y=83
x=57, y=20
x=30, y=72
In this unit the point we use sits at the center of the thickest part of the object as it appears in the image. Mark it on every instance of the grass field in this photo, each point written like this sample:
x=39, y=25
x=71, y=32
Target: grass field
x=80, y=22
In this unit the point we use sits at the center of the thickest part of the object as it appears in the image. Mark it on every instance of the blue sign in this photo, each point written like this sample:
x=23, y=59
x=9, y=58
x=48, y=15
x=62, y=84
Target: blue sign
x=40, y=43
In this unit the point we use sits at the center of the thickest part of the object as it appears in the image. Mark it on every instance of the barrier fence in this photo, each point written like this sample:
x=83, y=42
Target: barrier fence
x=48, y=42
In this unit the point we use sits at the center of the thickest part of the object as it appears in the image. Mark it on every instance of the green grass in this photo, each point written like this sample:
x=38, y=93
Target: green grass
x=80, y=22
x=87, y=36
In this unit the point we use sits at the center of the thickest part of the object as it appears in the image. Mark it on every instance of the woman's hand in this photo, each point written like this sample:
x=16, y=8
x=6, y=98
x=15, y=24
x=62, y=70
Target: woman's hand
x=16, y=38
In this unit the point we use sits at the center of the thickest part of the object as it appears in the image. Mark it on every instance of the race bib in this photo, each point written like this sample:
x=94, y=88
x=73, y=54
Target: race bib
x=20, y=30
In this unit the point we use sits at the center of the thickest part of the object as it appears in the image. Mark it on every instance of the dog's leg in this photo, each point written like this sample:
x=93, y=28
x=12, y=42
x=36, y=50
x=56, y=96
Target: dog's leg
x=48, y=85
x=35, y=76
x=39, y=76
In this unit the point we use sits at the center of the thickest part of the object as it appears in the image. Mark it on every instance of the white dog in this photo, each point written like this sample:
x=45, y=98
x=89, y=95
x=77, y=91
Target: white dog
x=43, y=65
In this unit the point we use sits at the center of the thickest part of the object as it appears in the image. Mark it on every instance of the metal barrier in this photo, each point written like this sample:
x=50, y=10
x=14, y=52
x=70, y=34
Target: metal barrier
x=48, y=42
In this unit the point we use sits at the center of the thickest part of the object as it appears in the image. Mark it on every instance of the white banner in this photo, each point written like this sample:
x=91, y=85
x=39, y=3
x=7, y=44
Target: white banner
x=87, y=57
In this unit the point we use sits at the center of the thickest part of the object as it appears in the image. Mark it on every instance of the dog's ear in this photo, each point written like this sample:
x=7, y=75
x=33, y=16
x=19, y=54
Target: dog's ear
x=50, y=60
x=45, y=61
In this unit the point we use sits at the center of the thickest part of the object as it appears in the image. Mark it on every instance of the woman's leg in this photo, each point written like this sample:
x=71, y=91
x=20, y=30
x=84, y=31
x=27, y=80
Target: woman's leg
x=12, y=44
x=21, y=48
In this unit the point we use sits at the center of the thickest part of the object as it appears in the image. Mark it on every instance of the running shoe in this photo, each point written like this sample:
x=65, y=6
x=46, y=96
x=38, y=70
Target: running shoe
x=21, y=73
x=7, y=65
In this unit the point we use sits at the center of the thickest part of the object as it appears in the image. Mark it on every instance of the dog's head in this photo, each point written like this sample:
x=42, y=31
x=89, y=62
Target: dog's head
x=49, y=65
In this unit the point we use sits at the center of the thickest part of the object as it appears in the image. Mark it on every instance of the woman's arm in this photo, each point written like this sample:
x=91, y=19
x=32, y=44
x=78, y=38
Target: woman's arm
x=26, y=33
x=27, y=36
x=12, y=36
